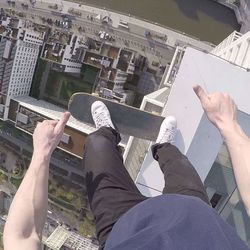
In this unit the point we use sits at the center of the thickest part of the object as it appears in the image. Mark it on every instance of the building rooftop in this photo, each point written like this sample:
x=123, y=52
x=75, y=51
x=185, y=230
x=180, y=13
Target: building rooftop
x=7, y=30
x=108, y=74
x=125, y=57
x=109, y=51
x=52, y=111
x=53, y=52
x=159, y=96
x=16, y=28
x=192, y=123
x=56, y=44
x=57, y=238
x=97, y=60
x=75, y=241
x=40, y=110
x=72, y=140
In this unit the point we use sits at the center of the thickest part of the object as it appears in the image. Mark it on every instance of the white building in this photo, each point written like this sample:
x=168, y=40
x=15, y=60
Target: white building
x=19, y=50
x=119, y=80
x=235, y=49
x=17, y=66
x=244, y=11
x=61, y=238
x=124, y=66
x=21, y=29
x=31, y=36
x=72, y=55
x=196, y=137
x=67, y=57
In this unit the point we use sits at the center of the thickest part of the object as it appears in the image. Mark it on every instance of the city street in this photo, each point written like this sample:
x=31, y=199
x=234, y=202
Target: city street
x=58, y=158
x=133, y=38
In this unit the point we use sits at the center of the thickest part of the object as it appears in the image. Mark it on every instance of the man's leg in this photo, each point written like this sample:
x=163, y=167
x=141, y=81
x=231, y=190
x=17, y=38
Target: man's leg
x=111, y=191
x=179, y=174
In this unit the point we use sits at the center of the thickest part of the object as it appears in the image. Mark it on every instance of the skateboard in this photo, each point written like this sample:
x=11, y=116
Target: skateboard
x=127, y=120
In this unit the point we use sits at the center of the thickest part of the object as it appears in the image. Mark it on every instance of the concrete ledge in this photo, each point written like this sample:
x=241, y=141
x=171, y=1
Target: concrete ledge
x=196, y=137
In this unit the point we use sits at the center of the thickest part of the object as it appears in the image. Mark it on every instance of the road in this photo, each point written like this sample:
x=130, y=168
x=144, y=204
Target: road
x=134, y=38
x=58, y=158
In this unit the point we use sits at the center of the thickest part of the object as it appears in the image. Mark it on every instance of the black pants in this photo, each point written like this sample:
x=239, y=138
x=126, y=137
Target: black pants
x=112, y=192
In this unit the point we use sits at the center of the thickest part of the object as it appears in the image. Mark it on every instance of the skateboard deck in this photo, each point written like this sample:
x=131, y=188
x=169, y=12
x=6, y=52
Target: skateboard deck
x=128, y=120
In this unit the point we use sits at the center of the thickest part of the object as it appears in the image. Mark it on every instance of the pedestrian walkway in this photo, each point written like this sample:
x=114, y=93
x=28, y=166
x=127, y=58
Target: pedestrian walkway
x=136, y=26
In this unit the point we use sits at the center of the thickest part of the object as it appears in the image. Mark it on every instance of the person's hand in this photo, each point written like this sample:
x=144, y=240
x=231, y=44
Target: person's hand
x=48, y=134
x=220, y=108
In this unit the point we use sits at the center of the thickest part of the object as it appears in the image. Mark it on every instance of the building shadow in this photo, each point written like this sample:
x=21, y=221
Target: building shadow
x=218, y=12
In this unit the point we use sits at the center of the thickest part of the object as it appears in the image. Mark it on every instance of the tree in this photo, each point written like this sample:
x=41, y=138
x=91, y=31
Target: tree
x=86, y=227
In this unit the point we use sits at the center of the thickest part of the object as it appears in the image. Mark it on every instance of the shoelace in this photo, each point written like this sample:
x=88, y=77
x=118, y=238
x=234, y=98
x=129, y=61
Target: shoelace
x=169, y=133
x=101, y=120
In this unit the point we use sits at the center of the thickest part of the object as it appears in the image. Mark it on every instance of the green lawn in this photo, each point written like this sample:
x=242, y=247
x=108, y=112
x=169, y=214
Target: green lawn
x=3, y=177
x=71, y=86
x=138, y=100
x=62, y=202
x=53, y=83
x=89, y=73
x=15, y=181
x=86, y=227
x=1, y=242
x=62, y=85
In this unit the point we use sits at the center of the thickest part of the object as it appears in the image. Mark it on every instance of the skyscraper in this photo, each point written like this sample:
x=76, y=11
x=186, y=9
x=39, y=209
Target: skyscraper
x=19, y=50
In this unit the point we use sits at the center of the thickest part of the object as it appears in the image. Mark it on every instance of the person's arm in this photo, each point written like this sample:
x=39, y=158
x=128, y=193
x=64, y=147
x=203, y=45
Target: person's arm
x=221, y=111
x=28, y=210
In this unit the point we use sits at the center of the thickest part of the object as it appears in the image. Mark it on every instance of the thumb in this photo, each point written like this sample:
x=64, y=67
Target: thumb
x=204, y=99
x=62, y=122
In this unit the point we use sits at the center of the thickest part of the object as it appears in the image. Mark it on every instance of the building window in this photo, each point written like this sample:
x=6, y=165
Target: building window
x=215, y=199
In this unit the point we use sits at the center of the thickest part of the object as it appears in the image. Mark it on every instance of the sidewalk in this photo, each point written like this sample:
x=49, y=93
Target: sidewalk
x=137, y=26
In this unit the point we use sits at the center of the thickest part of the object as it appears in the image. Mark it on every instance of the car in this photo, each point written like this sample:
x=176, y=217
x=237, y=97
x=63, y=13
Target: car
x=102, y=35
x=69, y=24
x=106, y=36
x=52, y=224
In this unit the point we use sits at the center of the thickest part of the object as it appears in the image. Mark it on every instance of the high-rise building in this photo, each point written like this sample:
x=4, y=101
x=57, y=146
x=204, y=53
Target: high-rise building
x=19, y=50
x=5, y=201
x=66, y=53
x=243, y=14
x=196, y=137
x=18, y=60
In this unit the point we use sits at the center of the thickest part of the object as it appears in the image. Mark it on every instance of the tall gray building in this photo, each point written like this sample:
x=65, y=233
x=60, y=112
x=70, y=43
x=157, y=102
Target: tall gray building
x=19, y=50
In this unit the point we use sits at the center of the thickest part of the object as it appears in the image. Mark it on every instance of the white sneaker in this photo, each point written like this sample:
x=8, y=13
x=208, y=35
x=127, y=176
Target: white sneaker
x=101, y=115
x=167, y=130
